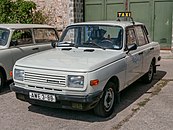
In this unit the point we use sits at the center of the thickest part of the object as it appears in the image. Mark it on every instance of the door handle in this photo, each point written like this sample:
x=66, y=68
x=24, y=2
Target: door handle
x=152, y=48
x=140, y=53
x=35, y=48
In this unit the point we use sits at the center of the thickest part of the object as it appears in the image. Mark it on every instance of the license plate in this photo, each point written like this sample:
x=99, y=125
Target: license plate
x=42, y=97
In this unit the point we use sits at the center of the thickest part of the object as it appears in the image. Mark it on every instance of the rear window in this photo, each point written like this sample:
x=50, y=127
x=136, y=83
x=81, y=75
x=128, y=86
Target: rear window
x=141, y=36
x=45, y=35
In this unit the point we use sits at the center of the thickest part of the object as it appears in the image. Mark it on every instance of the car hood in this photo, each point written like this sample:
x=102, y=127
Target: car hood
x=3, y=47
x=76, y=60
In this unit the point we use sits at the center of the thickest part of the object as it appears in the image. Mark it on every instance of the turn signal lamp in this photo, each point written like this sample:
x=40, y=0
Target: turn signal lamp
x=94, y=82
x=11, y=73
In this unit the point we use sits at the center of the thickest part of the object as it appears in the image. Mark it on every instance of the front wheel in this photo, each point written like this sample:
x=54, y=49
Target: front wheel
x=2, y=81
x=105, y=106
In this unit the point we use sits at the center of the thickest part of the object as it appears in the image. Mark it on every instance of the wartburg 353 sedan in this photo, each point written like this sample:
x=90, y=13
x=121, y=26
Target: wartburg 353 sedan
x=92, y=63
x=19, y=40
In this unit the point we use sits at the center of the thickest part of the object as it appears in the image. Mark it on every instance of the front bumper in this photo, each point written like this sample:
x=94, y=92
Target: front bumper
x=74, y=102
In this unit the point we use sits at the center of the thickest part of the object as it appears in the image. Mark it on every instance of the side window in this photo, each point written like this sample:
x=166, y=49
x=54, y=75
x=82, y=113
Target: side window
x=22, y=36
x=141, y=36
x=146, y=34
x=45, y=35
x=130, y=36
x=71, y=36
x=4, y=34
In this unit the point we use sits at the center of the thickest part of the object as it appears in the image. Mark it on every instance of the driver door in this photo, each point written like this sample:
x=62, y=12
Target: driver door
x=133, y=58
x=24, y=44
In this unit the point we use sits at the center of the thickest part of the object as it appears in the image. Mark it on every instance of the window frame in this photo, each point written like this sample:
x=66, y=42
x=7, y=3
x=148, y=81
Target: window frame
x=146, y=41
x=126, y=29
x=75, y=26
x=26, y=44
x=56, y=33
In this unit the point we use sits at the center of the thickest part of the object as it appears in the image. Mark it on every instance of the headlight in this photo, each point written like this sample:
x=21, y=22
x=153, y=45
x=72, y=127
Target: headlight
x=75, y=81
x=18, y=74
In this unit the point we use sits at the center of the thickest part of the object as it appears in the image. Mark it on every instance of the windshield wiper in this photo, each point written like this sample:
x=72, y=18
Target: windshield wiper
x=66, y=44
x=93, y=43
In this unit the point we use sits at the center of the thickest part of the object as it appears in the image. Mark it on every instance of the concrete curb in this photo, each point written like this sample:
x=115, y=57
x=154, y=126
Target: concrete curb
x=166, y=54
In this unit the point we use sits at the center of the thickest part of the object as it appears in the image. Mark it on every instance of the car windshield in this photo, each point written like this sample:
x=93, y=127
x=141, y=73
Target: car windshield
x=4, y=34
x=94, y=36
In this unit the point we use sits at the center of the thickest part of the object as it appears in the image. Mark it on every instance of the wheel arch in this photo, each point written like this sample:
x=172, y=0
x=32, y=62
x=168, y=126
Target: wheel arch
x=115, y=80
x=154, y=62
x=101, y=108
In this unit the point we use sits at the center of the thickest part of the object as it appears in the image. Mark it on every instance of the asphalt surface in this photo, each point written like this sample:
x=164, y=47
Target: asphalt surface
x=157, y=114
x=142, y=107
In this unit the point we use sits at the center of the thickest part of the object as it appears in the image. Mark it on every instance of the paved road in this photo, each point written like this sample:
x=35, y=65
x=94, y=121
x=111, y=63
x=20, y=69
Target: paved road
x=157, y=114
x=135, y=105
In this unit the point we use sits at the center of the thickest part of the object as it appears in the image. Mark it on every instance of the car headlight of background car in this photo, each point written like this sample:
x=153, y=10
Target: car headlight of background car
x=18, y=74
x=75, y=81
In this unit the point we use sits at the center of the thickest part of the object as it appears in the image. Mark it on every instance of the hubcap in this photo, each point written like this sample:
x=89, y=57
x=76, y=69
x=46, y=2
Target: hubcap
x=150, y=72
x=109, y=99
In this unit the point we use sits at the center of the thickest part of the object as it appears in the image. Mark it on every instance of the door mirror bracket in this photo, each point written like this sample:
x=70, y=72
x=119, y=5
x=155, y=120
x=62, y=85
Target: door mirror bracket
x=13, y=42
x=131, y=47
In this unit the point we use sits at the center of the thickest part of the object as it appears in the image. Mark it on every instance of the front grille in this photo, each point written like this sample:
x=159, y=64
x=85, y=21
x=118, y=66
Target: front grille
x=54, y=80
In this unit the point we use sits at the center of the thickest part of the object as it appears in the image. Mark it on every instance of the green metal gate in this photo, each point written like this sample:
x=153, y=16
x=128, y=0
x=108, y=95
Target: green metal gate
x=163, y=23
x=94, y=10
x=156, y=14
x=102, y=9
x=112, y=7
x=141, y=12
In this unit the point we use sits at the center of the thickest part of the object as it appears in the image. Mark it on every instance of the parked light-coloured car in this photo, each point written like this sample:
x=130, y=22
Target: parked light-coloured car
x=19, y=40
x=93, y=63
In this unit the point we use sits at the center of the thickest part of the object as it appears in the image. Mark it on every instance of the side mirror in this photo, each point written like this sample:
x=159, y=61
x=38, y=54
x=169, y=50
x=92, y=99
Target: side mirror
x=54, y=44
x=131, y=47
x=13, y=42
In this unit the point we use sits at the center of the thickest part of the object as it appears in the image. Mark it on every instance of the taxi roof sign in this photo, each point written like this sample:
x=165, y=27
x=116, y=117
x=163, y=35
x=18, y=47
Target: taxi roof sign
x=123, y=14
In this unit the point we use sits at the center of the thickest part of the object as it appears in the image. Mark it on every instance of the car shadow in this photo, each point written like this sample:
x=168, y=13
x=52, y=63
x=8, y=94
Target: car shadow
x=128, y=96
x=6, y=88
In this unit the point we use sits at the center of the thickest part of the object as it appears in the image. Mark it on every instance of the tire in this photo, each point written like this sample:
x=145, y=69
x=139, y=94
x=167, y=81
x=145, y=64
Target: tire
x=2, y=81
x=106, y=104
x=148, y=77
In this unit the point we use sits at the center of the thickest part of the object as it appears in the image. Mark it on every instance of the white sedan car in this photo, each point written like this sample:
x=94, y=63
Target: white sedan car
x=92, y=63
x=19, y=40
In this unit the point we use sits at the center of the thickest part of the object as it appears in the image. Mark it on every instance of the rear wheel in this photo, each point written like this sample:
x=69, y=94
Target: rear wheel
x=105, y=106
x=148, y=77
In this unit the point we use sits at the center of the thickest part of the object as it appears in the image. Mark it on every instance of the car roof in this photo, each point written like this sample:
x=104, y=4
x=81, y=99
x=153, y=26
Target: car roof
x=22, y=26
x=113, y=23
